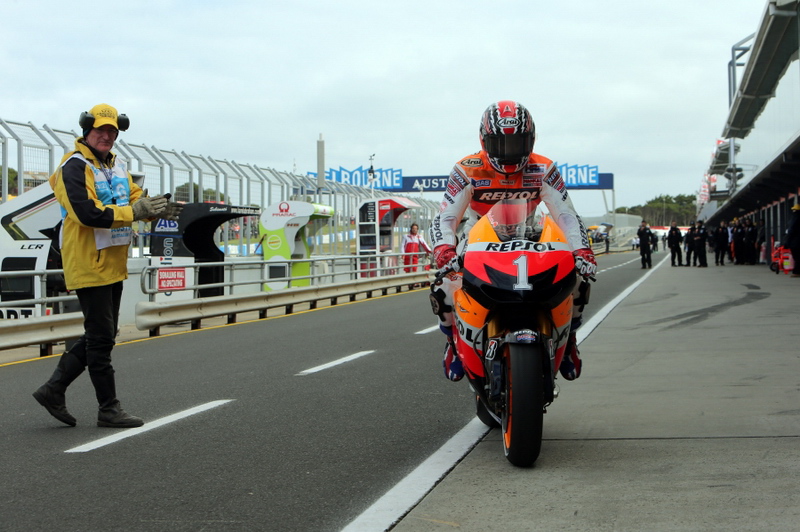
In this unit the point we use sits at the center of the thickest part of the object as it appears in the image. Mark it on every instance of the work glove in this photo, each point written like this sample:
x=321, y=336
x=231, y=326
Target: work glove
x=585, y=263
x=445, y=255
x=172, y=212
x=145, y=207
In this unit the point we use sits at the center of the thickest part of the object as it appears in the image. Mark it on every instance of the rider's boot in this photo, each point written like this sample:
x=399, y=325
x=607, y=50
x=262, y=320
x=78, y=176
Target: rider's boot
x=571, y=363
x=453, y=368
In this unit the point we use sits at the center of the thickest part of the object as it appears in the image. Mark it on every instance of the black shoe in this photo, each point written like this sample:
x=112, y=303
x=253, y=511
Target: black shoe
x=115, y=417
x=54, y=403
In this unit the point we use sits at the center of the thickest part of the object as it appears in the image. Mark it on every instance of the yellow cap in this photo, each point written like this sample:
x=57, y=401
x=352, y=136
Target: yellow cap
x=796, y=207
x=103, y=115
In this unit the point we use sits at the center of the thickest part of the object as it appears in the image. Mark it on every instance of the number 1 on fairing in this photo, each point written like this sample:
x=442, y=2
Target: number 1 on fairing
x=522, y=273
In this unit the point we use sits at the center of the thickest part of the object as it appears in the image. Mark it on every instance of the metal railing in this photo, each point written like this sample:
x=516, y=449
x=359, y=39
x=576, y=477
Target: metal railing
x=43, y=304
x=330, y=279
x=323, y=270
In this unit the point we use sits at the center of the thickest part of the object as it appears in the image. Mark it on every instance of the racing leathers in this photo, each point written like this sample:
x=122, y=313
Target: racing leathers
x=472, y=188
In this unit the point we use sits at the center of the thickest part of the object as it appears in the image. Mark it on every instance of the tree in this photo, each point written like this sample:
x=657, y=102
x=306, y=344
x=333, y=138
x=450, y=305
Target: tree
x=209, y=194
x=12, y=182
x=662, y=210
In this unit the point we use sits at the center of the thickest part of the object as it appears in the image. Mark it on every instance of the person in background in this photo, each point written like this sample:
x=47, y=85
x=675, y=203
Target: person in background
x=700, y=239
x=721, y=243
x=505, y=167
x=689, y=243
x=739, y=252
x=99, y=203
x=750, y=242
x=413, y=244
x=645, y=240
x=674, y=241
x=792, y=239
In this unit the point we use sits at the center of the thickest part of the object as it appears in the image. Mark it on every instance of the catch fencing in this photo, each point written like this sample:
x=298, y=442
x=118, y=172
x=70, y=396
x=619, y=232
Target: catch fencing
x=35, y=153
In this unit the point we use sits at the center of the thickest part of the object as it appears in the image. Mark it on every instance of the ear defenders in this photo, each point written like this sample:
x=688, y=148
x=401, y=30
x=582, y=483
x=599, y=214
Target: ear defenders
x=86, y=121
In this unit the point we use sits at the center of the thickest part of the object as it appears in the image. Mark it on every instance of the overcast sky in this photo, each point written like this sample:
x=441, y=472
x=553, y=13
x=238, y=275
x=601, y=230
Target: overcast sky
x=637, y=88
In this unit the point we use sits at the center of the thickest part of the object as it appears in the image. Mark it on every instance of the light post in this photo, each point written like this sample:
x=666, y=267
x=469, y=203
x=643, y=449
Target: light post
x=371, y=175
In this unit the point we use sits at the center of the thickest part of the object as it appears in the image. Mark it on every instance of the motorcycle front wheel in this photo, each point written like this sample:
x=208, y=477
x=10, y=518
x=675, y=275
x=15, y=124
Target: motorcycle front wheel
x=523, y=412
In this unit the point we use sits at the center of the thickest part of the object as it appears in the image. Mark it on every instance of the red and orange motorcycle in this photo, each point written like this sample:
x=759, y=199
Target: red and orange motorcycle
x=512, y=317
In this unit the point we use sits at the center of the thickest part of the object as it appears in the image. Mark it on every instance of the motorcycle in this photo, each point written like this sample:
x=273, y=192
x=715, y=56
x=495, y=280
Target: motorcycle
x=512, y=319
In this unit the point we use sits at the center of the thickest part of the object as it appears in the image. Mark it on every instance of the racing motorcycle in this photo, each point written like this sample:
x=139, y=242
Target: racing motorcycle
x=512, y=317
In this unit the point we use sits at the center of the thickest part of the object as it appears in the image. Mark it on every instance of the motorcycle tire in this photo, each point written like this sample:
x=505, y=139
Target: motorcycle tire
x=523, y=412
x=484, y=415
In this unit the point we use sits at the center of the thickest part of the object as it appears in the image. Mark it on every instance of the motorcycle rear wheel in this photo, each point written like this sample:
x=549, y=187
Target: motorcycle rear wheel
x=523, y=412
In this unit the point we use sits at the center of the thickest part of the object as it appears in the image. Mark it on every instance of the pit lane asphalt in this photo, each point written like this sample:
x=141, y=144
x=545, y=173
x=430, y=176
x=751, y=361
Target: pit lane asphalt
x=287, y=453
x=686, y=418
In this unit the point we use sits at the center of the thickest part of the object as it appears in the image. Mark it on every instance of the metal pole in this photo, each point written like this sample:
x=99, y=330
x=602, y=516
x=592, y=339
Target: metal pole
x=320, y=167
x=4, y=164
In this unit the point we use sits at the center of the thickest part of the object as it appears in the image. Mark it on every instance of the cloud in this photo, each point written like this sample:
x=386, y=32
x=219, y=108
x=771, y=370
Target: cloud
x=638, y=89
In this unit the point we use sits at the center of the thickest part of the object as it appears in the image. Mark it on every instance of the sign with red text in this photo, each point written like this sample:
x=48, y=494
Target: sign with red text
x=170, y=279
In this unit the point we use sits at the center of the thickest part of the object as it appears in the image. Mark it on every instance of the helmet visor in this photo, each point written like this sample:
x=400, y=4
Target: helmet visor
x=509, y=149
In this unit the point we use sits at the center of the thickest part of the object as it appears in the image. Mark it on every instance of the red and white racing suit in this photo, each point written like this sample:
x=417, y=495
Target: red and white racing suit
x=474, y=186
x=413, y=243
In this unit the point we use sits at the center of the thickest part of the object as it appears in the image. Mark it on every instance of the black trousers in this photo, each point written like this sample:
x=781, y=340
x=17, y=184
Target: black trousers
x=100, y=307
x=719, y=254
x=700, y=255
x=796, y=256
x=646, y=258
x=675, y=252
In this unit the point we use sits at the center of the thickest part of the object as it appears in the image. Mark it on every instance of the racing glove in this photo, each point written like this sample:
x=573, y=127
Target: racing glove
x=146, y=207
x=585, y=263
x=445, y=255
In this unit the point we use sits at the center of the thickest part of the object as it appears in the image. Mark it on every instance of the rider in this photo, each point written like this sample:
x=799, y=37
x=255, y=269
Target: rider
x=505, y=168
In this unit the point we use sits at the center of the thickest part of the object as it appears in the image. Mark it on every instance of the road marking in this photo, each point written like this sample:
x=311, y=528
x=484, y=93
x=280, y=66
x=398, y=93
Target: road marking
x=102, y=442
x=396, y=502
x=404, y=496
x=429, y=329
x=619, y=265
x=591, y=324
x=335, y=363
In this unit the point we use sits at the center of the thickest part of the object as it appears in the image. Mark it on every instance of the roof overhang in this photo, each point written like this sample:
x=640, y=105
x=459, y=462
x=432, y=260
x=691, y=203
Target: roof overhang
x=774, y=47
x=778, y=179
x=722, y=158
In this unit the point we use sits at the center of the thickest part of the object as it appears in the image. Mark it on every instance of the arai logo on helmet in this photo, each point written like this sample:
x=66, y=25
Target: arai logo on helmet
x=508, y=121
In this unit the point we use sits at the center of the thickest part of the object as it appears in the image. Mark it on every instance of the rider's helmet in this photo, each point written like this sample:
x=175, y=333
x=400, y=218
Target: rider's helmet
x=507, y=134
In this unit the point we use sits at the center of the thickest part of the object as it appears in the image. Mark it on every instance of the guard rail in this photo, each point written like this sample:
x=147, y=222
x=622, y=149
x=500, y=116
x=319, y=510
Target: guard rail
x=152, y=315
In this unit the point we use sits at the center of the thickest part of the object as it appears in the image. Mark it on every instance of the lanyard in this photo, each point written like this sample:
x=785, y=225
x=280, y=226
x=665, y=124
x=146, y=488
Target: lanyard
x=109, y=173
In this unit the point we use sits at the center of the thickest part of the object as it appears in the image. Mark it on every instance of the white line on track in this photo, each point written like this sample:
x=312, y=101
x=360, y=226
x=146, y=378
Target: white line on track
x=429, y=329
x=402, y=498
x=408, y=492
x=147, y=426
x=335, y=363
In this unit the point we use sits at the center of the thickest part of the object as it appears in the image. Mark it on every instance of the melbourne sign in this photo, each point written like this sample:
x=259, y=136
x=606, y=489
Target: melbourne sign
x=577, y=177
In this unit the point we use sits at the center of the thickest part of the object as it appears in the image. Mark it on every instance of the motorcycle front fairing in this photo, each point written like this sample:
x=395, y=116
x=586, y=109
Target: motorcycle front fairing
x=518, y=275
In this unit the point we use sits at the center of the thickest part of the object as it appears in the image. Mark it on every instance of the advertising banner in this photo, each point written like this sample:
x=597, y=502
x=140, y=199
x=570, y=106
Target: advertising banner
x=576, y=177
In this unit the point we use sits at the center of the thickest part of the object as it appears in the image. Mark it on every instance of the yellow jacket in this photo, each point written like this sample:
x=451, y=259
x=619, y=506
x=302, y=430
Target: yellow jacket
x=96, y=199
